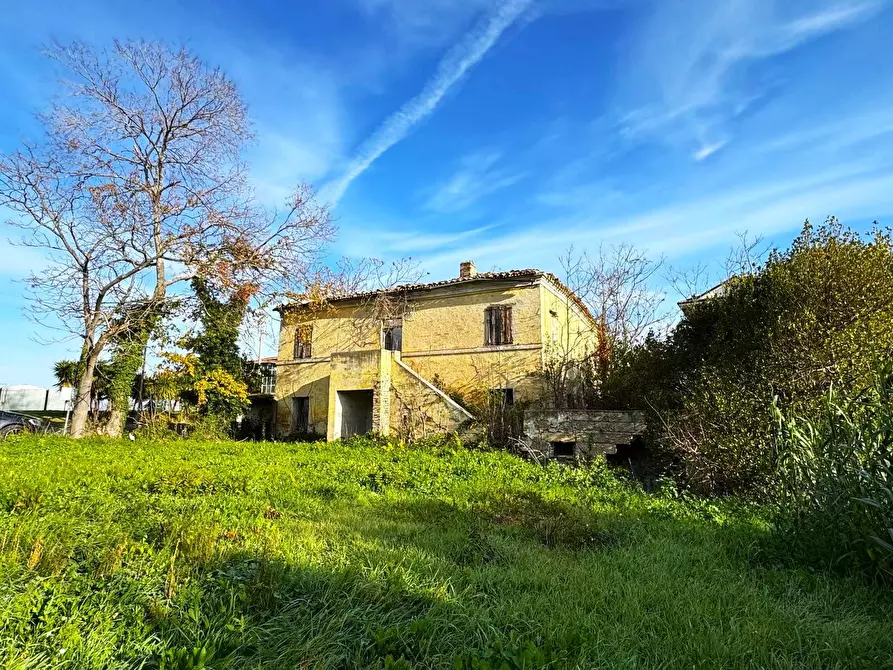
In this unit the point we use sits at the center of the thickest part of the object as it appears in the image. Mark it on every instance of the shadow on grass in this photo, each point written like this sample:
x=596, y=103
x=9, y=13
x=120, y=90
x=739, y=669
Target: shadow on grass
x=400, y=600
x=250, y=611
x=510, y=581
x=553, y=524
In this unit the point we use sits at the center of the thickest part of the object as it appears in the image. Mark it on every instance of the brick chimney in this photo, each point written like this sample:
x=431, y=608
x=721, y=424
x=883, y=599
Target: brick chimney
x=467, y=269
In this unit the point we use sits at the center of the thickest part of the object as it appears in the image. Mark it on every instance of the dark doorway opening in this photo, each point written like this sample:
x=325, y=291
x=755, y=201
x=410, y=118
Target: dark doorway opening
x=640, y=463
x=356, y=412
x=300, y=416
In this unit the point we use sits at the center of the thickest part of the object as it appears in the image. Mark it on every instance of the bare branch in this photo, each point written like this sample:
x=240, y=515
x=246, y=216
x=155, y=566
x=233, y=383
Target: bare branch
x=138, y=185
x=617, y=284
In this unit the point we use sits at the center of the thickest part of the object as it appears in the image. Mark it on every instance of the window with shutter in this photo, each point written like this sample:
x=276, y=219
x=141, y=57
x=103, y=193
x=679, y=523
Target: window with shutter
x=498, y=325
x=303, y=341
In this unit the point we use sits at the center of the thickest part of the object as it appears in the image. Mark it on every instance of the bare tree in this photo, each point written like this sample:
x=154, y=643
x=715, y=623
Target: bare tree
x=688, y=282
x=745, y=257
x=385, y=303
x=138, y=185
x=616, y=284
x=377, y=285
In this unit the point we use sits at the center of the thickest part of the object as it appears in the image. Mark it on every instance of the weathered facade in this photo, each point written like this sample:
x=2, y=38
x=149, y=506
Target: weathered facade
x=579, y=434
x=391, y=361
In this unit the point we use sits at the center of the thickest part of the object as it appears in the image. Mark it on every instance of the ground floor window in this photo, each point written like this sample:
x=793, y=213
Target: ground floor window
x=564, y=449
x=502, y=397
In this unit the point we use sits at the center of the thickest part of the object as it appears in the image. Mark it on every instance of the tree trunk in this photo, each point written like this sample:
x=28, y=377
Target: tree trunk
x=128, y=357
x=116, y=421
x=81, y=408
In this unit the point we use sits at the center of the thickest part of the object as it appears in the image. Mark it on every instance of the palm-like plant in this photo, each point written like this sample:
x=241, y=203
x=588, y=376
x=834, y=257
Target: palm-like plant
x=66, y=373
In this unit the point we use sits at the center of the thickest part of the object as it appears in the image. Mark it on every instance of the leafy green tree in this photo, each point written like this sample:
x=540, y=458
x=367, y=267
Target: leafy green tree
x=221, y=316
x=128, y=351
x=218, y=372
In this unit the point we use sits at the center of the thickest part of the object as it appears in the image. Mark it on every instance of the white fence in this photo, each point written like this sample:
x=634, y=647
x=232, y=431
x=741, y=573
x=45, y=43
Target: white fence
x=34, y=399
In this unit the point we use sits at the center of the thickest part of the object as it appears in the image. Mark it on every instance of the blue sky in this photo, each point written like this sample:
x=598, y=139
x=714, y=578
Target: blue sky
x=504, y=131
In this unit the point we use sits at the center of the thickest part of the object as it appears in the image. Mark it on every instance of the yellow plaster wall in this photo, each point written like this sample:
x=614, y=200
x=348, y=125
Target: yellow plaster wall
x=472, y=374
x=443, y=340
x=335, y=328
x=456, y=320
x=569, y=333
x=416, y=411
x=351, y=371
x=307, y=379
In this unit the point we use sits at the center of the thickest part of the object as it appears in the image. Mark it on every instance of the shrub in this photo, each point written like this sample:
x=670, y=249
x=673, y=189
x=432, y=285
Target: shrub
x=813, y=317
x=835, y=480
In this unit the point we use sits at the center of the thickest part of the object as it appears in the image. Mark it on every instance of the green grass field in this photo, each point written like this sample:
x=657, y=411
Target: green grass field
x=368, y=555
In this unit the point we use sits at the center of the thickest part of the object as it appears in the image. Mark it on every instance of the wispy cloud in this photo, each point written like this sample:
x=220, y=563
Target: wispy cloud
x=846, y=130
x=680, y=229
x=827, y=19
x=691, y=62
x=415, y=243
x=707, y=150
x=296, y=101
x=392, y=241
x=423, y=23
x=457, y=62
x=476, y=177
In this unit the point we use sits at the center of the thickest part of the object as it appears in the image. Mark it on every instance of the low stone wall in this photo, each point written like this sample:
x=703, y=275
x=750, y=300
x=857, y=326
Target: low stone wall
x=580, y=434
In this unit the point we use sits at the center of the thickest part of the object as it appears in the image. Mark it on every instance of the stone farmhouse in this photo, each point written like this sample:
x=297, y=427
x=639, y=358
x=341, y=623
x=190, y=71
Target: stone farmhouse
x=396, y=361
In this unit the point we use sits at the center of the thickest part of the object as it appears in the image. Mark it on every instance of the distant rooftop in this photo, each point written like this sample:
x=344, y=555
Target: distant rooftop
x=717, y=291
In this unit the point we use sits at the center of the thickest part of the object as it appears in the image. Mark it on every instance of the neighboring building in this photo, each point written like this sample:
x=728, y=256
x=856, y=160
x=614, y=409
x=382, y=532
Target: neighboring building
x=260, y=420
x=391, y=361
x=27, y=398
x=267, y=375
x=717, y=291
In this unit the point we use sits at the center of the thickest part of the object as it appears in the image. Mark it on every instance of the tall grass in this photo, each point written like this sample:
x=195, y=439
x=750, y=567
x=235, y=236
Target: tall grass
x=379, y=555
x=835, y=503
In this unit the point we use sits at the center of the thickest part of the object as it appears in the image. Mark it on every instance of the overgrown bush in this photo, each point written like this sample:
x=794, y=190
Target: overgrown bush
x=835, y=480
x=816, y=316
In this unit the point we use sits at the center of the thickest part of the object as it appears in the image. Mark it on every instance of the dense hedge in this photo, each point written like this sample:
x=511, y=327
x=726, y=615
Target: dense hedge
x=815, y=317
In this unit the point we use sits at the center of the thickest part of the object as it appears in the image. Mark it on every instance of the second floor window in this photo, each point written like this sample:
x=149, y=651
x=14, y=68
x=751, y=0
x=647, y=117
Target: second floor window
x=303, y=341
x=498, y=325
x=268, y=379
x=393, y=337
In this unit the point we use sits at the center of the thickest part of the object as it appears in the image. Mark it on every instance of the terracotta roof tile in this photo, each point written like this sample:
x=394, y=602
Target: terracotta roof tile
x=530, y=273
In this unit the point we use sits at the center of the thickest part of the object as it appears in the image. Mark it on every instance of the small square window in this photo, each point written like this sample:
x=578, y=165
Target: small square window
x=502, y=397
x=393, y=338
x=564, y=449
